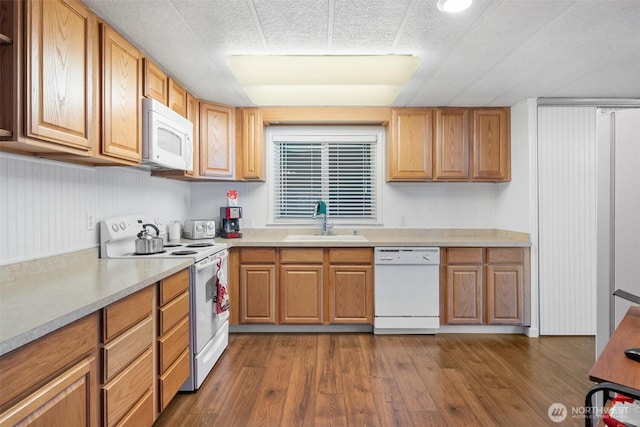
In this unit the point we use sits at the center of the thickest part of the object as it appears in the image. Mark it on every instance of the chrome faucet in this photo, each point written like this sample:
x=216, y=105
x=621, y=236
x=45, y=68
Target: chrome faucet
x=320, y=208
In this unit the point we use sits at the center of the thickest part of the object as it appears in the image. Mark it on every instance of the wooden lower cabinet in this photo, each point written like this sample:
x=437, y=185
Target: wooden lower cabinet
x=301, y=296
x=127, y=353
x=173, y=336
x=52, y=381
x=350, y=285
x=304, y=286
x=257, y=284
x=485, y=286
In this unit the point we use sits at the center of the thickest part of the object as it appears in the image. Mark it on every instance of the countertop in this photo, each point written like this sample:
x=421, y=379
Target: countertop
x=39, y=303
x=383, y=237
x=38, y=297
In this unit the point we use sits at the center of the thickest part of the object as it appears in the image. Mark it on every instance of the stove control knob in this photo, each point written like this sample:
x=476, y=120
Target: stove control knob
x=114, y=227
x=123, y=225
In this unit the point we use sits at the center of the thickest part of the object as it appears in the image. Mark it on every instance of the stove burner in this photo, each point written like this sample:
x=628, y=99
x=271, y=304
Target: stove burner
x=199, y=245
x=183, y=252
x=172, y=245
x=151, y=253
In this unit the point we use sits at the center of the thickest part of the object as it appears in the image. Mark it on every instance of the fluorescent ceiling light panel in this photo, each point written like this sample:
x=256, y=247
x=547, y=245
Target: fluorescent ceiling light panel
x=454, y=6
x=320, y=80
x=320, y=95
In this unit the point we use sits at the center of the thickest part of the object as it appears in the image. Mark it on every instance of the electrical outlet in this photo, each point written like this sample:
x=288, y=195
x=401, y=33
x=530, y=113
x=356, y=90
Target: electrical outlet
x=403, y=221
x=91, y=221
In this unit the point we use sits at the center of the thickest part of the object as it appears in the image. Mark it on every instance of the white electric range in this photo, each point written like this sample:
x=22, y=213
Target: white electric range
x=209, y=326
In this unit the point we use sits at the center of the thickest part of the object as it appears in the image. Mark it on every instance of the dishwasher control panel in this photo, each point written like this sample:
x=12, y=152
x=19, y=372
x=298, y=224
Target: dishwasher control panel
x=407, y=255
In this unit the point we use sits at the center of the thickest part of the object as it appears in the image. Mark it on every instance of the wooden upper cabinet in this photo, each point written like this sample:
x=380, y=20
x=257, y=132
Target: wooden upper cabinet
x=155, y=82
x=251, y=145
x=217, y=141
x=177, y=97
x=121, y=97
x=451, y=153
x=410, y=144
x=491, y=145
x=61, y=67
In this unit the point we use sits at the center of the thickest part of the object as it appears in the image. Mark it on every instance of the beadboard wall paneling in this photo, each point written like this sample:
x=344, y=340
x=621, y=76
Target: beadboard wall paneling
x=45, y=203
x=567, y=220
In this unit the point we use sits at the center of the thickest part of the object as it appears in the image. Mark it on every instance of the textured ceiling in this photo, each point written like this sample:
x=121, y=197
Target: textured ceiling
x=496, y=53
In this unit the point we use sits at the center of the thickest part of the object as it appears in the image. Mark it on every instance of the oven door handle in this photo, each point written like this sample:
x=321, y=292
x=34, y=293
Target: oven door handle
x=211, y=261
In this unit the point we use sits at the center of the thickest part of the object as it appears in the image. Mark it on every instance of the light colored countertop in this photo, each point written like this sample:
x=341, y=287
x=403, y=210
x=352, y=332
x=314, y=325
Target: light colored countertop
x=38, y=297
x=383, y=237
x=36, y=304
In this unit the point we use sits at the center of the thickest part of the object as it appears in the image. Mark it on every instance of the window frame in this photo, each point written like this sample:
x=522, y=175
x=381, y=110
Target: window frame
x=333, y=132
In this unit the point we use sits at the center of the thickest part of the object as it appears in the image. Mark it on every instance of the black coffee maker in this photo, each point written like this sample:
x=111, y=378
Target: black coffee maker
x=230, y=221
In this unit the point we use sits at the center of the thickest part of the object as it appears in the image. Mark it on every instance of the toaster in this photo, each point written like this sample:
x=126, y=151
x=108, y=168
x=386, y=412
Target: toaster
x=199, y=229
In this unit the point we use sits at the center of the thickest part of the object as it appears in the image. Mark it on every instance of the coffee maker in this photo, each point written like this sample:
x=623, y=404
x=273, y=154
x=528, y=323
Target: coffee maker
x=230, y=221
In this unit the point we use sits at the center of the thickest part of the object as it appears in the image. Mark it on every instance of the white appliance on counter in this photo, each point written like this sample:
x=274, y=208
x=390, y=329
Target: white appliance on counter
x=209, y=331
x=407, y=290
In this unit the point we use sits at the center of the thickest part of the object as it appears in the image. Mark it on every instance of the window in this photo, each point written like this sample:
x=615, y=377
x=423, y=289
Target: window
x=336, y=164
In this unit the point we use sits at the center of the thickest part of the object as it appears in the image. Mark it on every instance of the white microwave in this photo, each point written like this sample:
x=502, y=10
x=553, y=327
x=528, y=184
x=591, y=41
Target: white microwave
x=167, y=137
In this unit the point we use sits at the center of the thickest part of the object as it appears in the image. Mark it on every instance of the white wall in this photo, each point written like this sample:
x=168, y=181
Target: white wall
x=43, y=204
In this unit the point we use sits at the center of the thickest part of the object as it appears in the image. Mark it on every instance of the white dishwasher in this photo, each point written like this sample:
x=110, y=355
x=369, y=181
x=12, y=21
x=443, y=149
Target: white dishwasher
x=407, y=290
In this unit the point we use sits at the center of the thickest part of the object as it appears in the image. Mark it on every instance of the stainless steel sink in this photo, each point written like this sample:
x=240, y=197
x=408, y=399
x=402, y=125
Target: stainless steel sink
x=329, y=238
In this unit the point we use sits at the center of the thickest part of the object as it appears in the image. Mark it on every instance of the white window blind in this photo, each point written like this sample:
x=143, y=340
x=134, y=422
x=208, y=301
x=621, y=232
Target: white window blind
x=339, y=169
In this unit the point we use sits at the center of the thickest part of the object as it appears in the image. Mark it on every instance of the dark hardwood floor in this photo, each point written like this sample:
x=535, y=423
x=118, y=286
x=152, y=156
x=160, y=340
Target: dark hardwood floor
x=376, y=380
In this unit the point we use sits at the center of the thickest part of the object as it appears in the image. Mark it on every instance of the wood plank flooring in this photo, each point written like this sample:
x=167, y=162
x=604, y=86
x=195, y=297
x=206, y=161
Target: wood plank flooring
x=281, y=380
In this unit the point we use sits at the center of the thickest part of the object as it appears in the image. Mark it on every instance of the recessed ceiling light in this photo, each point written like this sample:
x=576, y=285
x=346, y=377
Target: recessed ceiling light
x=453, y=6
x=323, y=79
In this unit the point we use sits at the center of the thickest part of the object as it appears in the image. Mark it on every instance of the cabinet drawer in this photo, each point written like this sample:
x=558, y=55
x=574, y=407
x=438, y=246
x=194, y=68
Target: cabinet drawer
x=171, y=313
x=118, y=317
x=170, y=382
x=465, y=255
x=141, y=414
x=301, y=255
x=174, y=343
x=30, y=365
x=119, y=353
x=257, y=256
x=173, y=286
x=505, y=255
x=350, y=256
x=121, y=394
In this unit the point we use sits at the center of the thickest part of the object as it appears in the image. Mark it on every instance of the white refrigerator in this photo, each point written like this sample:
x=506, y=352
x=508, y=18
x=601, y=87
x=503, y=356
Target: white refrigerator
x=618, y=160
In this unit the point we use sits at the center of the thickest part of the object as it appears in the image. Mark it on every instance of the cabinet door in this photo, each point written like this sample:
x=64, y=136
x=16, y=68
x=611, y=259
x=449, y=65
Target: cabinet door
x=177, y=97
x=504, y=294
x=217, y=141
x=464, y=294
x=410, y=145
x=491, y=145
x=257, y=294
x=251, y=150
x=155, y=82
x=62, y=64
x=121, y=97
x=193, y=115
x=451, y=153
x=65, y=400
x=301, y=294
x=350, y=294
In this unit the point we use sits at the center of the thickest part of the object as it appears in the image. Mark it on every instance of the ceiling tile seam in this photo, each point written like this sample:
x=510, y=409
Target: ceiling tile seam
x=332, y=13
x=508, y=54
x=258, y=24
x=214, y=61
x=405, y=18
x=435, y=69
x=566, y=58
